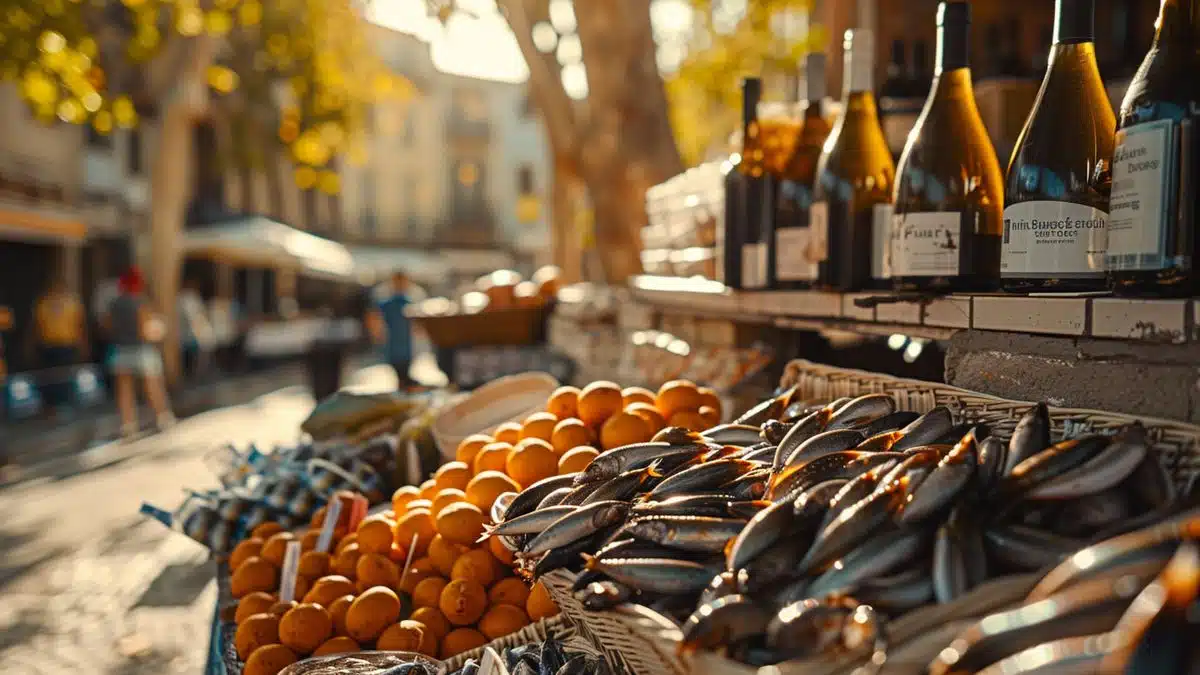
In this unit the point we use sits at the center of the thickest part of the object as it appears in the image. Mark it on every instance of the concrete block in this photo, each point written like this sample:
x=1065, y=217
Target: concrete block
x=950, y=312
x=853, y=311
x=1055, y=316
x=1150, y=320
x=899, y=312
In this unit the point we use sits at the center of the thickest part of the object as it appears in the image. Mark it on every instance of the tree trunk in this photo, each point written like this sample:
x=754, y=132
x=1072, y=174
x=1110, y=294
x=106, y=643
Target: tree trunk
x=170, y=189
x=566, y=244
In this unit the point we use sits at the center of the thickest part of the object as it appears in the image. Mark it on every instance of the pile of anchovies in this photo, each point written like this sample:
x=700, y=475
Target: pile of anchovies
x=799, y=529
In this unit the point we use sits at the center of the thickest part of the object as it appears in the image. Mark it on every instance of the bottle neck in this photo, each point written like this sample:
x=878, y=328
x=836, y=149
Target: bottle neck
x=860, y=103
x=1178, y=23
x=953, y=49
x=860, y=64
x=1074, y=21
x=954, y=85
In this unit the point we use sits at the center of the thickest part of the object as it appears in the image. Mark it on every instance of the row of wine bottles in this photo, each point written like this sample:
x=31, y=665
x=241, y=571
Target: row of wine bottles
x=1090, y=202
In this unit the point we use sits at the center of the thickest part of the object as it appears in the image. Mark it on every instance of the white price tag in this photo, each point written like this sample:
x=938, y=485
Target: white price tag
x=291, y=569
x=333, y=513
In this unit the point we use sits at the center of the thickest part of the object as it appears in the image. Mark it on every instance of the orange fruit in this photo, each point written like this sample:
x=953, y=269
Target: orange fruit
x=485, y=487
x=571, y=433
x=446, y=498
x=371, y=613
x=375, y=534
x=275, y=547
x=492, y=457
x=461, y=640
x=428, y=489
x=346, y=561
x=318, y=518
x=403, y=496
x=443, y=553
x=501, y=620
x=269, y=660
x=405, y=636
x=345, y=541
x=538, y=425
x=420, y=569
x=303, y=586
x=710, y=415
x=428, y=592
x=631, y=395
x=280, y=608
x=509, y=432
x=463, y=601
x=500, y=551
x=433, y=619
x=374, y=569
x=688, y=419
x=254, y=574
x=248, y=548
x=337, y=645
x=257, y=602
x=398, y=555
x=708, y=397
x=329, y=588
x=314, y=564
x=649, y=414
x=476, y=565
x=509, y=591
x=531, y=461
x=265, y=530
x=677, y=396
x=576, y=459
x=308, y=541
x=337, y=612
x=624, y=428
x=254, y=632
x=563, y=403
x=470, y=446
x=598, y=401
x=420, y=504
x=540, y=605
x=305, y=628
x=461, y=523
x=418, y=522
x=452, y=475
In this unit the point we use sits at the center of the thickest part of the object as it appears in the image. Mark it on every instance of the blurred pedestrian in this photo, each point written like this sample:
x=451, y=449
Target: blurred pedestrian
x=60, y=321
x=134, y=330
x=195, y=331
x=390, y=327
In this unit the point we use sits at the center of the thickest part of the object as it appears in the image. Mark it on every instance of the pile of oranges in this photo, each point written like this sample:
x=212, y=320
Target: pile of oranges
x=578, y=424
x=456, y=595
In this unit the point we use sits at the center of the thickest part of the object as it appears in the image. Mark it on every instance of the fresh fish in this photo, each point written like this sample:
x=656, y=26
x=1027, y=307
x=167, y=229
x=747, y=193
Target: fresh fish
x=914, y=466
x=949, y=566
x=1089, y=514
x=897, y=594
x=530, y=523
x=580, y=493
x=810, y=627
x=875, y=557
x=801, y=431
x=764, y=529
x=552, y=658
x=893, y=422
x=861, y=410
x=625, y=486
x=881, y=442
x=1052, y=462
x=1109, y=467
x=631, y=547
x=925, y=429
x=640, y=455
x=992, y=452
x=1068, y=656
x=721, y=585
x=688, y=533
x=839, y=465
x=956, y=432
x=603, y=595
x=701, y=477
x=770, y=409
x=1026, y=548
x=943, y=484
x=1151, y=484
x=554, y=498
x=853, y=526
x=733, y=434
x=765, y=454
x=858, y=488
x=773, y=431
x=748, y=486
x=1031, y=436
x=656, y=575
x=568, y=555
x=531, y=497
x=769, y=567
x=725, y=621
x=716, y=505
x=576, y=525
x=824, y=443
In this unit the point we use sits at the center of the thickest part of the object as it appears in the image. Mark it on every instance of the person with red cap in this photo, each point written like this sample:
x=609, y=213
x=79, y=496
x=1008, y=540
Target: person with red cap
x=134, y=330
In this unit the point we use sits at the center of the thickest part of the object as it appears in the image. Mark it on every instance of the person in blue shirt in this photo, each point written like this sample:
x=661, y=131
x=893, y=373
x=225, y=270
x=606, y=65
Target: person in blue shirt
x=392, y=329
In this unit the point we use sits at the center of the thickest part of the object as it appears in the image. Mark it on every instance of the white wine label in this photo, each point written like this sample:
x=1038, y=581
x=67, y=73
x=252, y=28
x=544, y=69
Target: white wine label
x=1060, y=239
x=881, y=240
x=754, y=265
x=818, y=238
x=1143, y=186
x=793, y=258
x=926, y=244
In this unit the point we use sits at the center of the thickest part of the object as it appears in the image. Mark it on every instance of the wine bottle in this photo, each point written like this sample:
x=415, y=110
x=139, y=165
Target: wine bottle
x=1152, y=244
x=851, y=214
x=949, y=196
x=1058, y=183
x=778, y=128
x=795, y=268
x=740, y=208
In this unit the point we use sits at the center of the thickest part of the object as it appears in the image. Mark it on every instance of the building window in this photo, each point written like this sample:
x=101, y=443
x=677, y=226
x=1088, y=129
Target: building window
x=525, y=180
x=135, y=152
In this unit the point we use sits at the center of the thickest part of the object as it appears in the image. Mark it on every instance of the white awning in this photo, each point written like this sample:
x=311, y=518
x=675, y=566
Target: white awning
x=472, y=261
x=378, y=262
x=259, y=241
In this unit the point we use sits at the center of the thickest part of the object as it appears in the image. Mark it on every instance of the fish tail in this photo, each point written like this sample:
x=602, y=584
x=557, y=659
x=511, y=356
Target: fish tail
x=590, y=562
x=652, y=471
x=487, y=533
x=789, y=396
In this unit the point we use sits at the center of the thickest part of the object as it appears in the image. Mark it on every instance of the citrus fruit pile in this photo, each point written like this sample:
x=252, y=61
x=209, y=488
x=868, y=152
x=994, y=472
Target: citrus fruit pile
x=455, y=596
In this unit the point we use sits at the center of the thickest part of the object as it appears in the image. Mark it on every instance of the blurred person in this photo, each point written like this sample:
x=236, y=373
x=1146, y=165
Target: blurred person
x=102, y=296
x=390, y=327
x=195, y=331
x=134, y=329
x=228, y=330
x=60, y=322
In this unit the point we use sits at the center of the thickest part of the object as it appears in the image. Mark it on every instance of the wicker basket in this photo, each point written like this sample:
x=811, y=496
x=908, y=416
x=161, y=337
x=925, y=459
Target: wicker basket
x=644, y=642
x=495, y=327
x=558, y=627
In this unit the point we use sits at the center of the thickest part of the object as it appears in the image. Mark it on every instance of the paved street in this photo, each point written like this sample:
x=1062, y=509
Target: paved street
x=89, y=587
